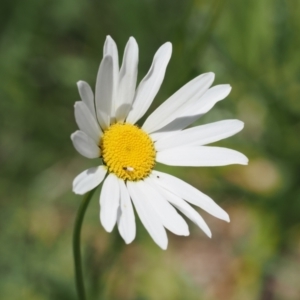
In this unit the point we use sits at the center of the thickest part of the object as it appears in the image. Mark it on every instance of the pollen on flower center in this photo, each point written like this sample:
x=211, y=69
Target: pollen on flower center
x=127, y=151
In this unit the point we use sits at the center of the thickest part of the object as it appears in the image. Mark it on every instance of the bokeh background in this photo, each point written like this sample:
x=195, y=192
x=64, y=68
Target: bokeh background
x=46, y=46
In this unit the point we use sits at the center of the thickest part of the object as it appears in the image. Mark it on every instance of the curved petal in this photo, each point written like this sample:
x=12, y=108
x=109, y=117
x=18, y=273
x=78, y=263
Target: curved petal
x=208, y=100
x=194, y=111
x=186, y=209
x=201, y=135
x=87, y=96
x=151, y=83
x=174, y=106
x=85, y=145
x=87, y=122
x=88, y=180
x=204, y=156
x=127, y=80
x=104, y=91
x=126, y=221
x=147, y=214
x=190, y=194
x=109, y=202
x=166, y=212
x=110, y=48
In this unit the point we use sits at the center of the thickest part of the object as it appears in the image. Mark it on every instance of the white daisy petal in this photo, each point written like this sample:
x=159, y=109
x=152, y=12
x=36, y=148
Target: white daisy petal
x=127, y=80
x=85, y=145
x=87, y=122
x=208, y=100
x=110, y=48
x=166, y=212
x=173, y=107
x=147, y=214
x=185, y=208
x=190, y=194
x=87, y=96
x=204, y=156
x=126, y=221
x=88, y=180
x=193, y=111
x=151, y=83
x=104, y=91
x=201, y=135
x=109, y=202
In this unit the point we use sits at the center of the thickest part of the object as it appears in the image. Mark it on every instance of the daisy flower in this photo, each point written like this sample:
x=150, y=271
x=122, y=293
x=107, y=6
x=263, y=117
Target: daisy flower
x=126, y=153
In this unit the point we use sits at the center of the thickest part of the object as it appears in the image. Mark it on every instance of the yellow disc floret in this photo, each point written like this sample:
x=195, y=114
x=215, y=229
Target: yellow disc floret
x=127, y=151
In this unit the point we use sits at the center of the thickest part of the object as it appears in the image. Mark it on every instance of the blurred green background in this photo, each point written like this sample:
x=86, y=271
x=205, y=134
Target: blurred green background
x=46, y=46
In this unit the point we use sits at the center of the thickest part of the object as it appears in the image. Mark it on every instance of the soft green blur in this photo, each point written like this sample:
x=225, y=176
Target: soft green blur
x=47, y=46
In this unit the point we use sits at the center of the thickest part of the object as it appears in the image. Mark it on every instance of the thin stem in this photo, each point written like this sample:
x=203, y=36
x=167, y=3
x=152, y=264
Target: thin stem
x=76, y=244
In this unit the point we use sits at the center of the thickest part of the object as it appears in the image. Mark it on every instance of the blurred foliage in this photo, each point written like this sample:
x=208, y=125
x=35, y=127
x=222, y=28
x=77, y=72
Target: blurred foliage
x=47, y=46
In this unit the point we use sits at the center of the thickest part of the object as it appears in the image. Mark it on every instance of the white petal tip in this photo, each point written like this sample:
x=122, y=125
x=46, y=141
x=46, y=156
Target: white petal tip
x=132, y=39
x=107, y=228
x=245, y=162
x=186, y=231
x=241, y=123
x=167, y=46
x=207, y=231
x=226, y=218
x=73, y=134
x=228, y=86
x=105, y=223
x=77, y=192
x=211, y=74
x=129, y=241
x=242, y=159
x=162, y=245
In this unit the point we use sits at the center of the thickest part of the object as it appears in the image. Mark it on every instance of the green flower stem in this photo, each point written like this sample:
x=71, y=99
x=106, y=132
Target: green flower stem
x=76, y=244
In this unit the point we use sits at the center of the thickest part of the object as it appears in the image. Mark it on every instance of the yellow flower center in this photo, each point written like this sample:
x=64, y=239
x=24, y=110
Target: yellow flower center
x=127, y=151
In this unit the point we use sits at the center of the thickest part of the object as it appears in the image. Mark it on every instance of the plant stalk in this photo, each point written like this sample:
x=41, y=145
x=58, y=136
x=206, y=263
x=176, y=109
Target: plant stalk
x=76, y=245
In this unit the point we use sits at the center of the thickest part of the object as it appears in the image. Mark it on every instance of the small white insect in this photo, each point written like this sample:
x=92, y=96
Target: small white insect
x=130, y=169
